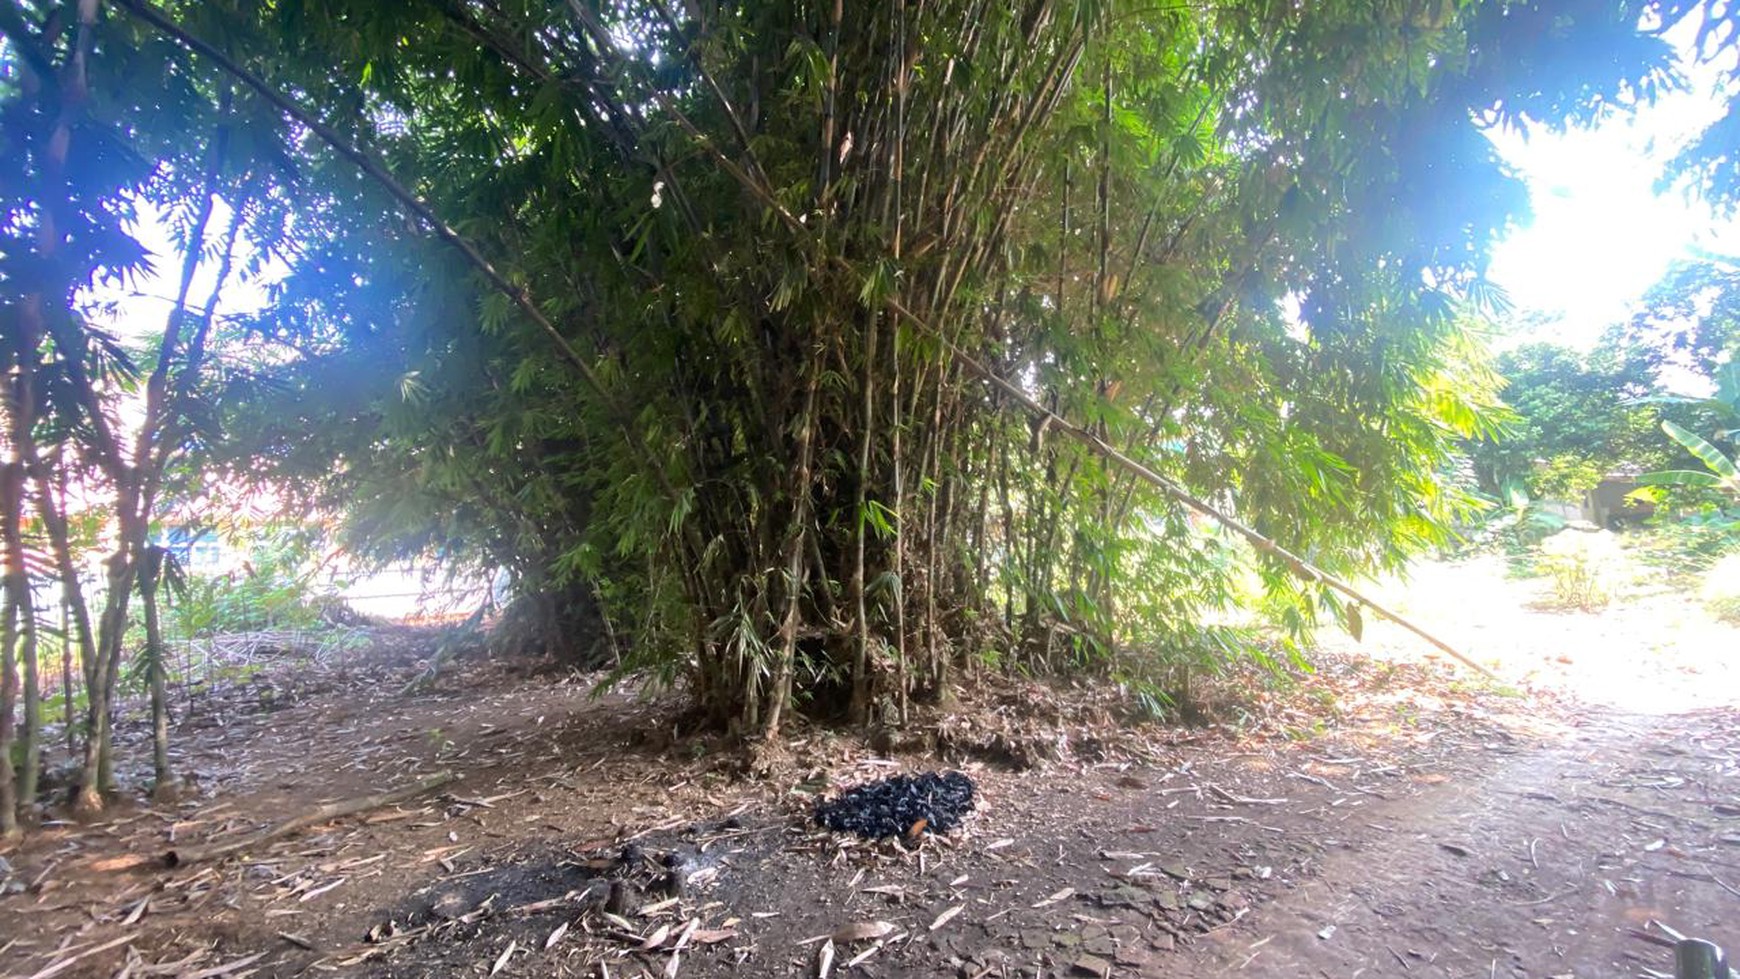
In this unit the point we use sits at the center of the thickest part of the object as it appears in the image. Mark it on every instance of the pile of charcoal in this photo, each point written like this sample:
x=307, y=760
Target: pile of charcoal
x=903, y=805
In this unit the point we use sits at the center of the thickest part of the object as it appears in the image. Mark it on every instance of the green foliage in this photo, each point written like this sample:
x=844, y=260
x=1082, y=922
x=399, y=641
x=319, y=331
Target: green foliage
x=273, y=591
x=1513, y=525
x=1688, y=321
x=1725, y=609
x=1583, y=416
x=1722, y=475
x=1719, y=481
x=757, y=242
x=1685, y=546
x=1578, y=420
x=1586, y=568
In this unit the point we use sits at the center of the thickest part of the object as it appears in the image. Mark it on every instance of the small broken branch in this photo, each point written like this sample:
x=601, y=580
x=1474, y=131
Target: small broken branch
x=320, y=814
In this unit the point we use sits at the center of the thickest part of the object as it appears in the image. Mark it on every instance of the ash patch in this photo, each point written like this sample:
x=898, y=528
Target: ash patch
x=900, y=805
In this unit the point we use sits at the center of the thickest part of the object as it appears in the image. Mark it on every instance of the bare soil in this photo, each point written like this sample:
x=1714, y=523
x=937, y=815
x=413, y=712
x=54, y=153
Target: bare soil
x=1388, y=816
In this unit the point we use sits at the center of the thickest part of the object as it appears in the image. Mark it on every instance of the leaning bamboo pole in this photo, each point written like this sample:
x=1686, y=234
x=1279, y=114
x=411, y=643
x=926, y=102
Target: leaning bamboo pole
x=1294, y=563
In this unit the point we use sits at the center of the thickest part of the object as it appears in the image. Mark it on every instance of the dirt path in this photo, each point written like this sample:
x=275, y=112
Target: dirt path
x=1539, y=866
x=1390, y=819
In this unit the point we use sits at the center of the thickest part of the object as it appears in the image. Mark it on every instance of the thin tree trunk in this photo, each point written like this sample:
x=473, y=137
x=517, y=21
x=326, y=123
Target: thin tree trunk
x=67, y=683
x=8, y=700
x=97, y=774
x=66, y=674
x=894, y=423
x=12, y=556
x=935, y=665
x=18, y=631
x=150, y=579
x=52, y=507
x=31, y=734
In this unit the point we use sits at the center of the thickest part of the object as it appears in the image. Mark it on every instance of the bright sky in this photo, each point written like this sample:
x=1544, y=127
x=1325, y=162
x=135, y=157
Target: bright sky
x=1601, y=235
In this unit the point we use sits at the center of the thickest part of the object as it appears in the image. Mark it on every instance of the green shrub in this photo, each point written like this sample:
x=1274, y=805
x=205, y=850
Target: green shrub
x=1584, y=567
x=1685, y=545
x=273, y=591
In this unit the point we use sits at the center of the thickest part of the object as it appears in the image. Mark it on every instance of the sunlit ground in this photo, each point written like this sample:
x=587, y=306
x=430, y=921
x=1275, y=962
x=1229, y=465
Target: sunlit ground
x=1654, y=650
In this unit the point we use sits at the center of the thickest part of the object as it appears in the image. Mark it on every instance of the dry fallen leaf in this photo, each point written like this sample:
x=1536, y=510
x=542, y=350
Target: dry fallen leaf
x=872, y=950
x=687, y=933
x=556, y=936
x=1062, y=895
x=657, y=938
x=825, y=960
x=126, y=861
x=947, y=916
x=502, y=960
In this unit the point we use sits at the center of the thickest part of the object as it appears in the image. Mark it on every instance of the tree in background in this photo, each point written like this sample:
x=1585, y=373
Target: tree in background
x=1577, y=421
x=1688, y=323
x=97, y=119
x=1582, y=415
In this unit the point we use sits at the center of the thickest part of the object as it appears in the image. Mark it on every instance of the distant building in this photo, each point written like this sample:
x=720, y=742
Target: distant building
x=1611, y=505
x=201, y=552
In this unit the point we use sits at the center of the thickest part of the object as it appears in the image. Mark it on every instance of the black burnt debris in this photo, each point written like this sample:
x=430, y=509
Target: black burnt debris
x=902, y=805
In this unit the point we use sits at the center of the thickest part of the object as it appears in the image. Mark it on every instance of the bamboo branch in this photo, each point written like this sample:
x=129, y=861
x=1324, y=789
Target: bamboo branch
x=1298, y=565
x=319, y=814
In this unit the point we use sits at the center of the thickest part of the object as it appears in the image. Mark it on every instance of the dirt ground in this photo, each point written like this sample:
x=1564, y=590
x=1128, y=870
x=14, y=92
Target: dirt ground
x=1390, y=816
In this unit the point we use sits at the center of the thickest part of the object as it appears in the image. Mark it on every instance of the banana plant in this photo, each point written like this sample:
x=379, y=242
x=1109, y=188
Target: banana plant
x=1722, y=474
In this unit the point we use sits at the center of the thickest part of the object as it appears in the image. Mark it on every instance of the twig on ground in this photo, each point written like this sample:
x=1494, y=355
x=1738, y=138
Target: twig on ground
x=1567, y=892
x=57, y=968
x=320, y=814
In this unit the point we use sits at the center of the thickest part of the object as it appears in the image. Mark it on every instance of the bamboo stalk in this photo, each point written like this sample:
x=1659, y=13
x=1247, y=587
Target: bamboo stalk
x=802, y=490
x=859, y=710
